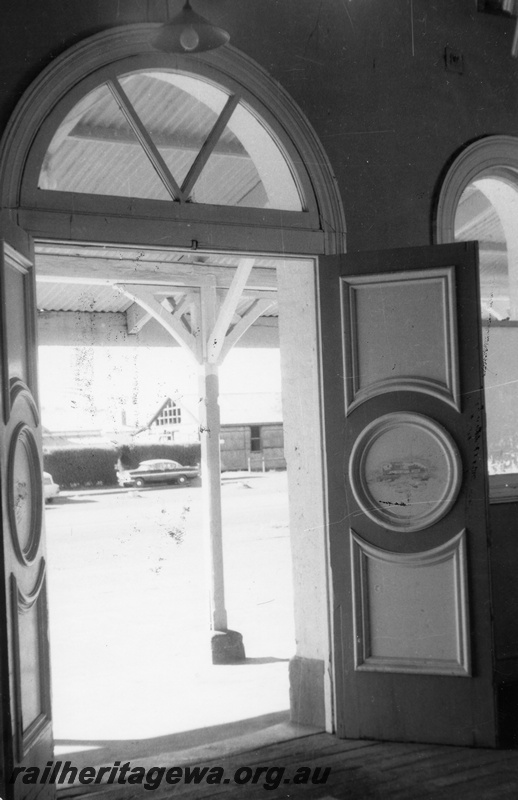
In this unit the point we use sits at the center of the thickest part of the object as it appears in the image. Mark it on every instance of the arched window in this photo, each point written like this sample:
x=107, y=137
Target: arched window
x=113, y=130
x=479, y=201
x=488, y=212
x=172, y=136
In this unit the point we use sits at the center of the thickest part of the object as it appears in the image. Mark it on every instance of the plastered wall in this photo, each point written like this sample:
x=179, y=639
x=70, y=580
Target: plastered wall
x=369, y=75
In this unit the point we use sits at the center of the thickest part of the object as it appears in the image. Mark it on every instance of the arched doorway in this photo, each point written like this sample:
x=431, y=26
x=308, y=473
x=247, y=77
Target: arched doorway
x=94, y=98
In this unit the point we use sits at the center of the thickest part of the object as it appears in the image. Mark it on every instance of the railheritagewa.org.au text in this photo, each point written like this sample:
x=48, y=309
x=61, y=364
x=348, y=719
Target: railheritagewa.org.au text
x=150, y=778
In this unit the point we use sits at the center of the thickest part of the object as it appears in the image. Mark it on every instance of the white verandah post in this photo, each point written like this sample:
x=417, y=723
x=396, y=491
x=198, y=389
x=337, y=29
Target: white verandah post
x=207, y=339
x=211, y=490
x=209, y=419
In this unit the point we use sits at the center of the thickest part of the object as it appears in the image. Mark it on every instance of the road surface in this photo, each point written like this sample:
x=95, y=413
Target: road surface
x=129, y=616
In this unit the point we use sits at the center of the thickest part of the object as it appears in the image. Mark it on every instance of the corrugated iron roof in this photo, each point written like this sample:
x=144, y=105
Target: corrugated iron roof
x=79, y=297
x=54, y=296
x=69, y=293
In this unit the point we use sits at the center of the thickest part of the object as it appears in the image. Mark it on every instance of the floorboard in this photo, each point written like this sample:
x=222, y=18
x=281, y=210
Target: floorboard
x=359, y=770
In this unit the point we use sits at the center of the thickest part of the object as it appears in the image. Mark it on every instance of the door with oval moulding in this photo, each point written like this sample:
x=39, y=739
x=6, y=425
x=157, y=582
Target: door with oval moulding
x=407, y=495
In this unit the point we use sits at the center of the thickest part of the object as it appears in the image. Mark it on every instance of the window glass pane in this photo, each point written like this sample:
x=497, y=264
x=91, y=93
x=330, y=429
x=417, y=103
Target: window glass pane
x=95, y=151
x=487, y=212
x=255, y=438
x=178, y=112
x=479, y=218
x=247, y=168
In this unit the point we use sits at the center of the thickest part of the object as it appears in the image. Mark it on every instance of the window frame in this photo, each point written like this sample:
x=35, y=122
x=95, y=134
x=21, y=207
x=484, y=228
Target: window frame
x=256, y=438
x=51, y=200
x=492, y=156
x=322, y=232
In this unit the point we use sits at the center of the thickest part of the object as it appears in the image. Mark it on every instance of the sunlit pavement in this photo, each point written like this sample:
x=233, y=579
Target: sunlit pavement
x=128, y=610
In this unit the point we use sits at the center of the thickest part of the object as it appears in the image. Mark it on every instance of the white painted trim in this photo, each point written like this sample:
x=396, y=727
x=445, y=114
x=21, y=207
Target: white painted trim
x=228, y=309
x=145, y=298
x=255, y=311
x=136, y=318
x=455, y=551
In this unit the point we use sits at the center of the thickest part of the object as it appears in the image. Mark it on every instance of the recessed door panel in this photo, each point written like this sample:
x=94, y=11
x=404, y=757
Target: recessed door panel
x=411, y=609
x=400, y=334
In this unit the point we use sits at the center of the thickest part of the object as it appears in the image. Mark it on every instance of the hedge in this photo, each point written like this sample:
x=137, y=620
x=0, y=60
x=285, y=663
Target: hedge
x=74, y=467
x=82, y=466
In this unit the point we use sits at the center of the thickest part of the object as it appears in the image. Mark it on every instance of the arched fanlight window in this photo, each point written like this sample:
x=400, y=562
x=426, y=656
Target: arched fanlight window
x=165, y=135
x=114, y=142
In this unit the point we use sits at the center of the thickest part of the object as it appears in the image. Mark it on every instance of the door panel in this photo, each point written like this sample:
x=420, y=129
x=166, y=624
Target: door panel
x=377, y=335
x=410, y=610
x=25, y=675
x=406, y=481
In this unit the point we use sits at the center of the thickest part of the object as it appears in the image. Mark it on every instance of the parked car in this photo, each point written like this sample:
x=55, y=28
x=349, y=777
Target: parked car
x=50, y=489
x=159, y=470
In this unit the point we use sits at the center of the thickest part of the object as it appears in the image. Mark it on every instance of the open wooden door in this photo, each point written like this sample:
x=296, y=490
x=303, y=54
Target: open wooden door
x=407, y=507
x=25, y=672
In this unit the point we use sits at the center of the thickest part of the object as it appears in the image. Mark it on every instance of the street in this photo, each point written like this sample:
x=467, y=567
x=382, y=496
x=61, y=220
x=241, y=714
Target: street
x=129, y=615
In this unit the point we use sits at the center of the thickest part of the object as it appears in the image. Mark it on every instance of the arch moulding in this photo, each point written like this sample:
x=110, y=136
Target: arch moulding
x=493, y=155
x=108, y=47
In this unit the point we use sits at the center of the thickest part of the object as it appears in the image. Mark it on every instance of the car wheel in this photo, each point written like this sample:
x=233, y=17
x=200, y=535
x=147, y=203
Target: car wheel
x=139, y=482
x=181, y=479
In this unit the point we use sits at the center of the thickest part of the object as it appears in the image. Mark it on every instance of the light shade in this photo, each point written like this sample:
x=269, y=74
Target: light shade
x=188, y=32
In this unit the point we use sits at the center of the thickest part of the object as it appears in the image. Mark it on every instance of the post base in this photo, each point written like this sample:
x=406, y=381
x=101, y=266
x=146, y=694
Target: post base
x=227, y=647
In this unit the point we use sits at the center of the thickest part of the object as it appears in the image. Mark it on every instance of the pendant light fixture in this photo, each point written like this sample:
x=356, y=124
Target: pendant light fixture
x=188, y=32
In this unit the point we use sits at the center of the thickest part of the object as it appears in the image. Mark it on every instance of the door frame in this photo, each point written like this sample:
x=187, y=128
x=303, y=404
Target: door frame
x=311, y=670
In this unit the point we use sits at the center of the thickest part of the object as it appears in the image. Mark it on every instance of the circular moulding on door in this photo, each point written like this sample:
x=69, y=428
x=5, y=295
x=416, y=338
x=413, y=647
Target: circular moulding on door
x=405, y=471
x=24, y=480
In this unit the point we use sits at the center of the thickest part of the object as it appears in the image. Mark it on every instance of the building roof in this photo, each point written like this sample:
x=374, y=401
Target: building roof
x=235, y=409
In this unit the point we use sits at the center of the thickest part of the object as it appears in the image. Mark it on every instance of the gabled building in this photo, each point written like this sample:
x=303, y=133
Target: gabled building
x=172, y=422
x=251, y=428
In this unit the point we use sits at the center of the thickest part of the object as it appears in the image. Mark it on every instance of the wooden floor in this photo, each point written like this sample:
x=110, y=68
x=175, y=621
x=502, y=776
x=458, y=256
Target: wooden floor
x=360, y=770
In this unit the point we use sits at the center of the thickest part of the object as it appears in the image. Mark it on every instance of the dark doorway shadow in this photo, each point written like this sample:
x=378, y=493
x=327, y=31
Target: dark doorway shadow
x=91, y=753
